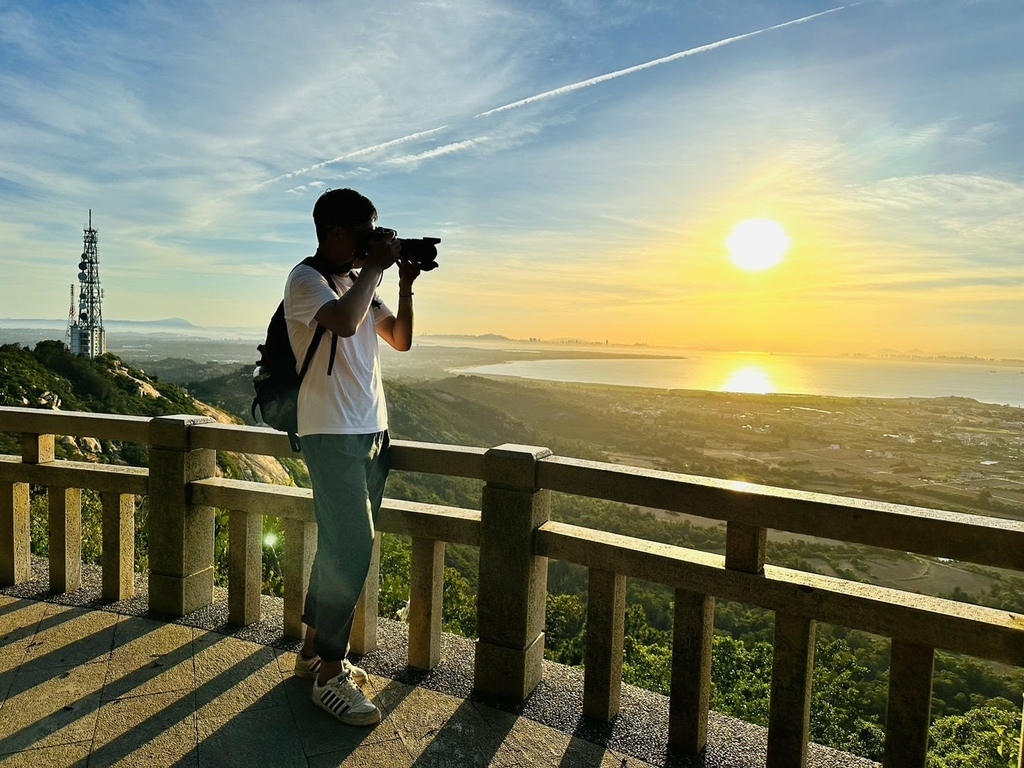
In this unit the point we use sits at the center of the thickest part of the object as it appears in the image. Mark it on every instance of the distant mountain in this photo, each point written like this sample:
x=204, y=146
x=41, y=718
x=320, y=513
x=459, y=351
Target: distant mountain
x=167, y=323
x=170, y=322
x=467, y=337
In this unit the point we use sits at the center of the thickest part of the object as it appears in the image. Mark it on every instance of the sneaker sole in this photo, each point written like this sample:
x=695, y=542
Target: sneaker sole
x=351, y=718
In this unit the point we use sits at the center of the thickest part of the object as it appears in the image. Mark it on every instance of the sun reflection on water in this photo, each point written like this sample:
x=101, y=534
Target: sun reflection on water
x=750, y=379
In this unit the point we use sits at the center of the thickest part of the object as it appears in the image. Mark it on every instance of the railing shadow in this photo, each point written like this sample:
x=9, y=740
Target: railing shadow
x=466, y=738
x=583, y=751
x=18, y=604
x=182, y=709
x=40, y=671
x=86, y=649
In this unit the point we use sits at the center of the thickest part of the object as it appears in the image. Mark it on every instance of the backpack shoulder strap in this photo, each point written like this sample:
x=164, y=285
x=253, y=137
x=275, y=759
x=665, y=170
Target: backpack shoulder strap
x=321, y=266
x=317, y=335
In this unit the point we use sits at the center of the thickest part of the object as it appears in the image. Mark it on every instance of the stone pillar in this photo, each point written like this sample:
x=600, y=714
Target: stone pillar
x=745, y=547
x=118, y=546
x=15, y=563
x=37, y=449
x=299, y=551
x=15, y=536
x=65, y=517
x=245, y=566
x=910, y=705
x=426, y=602
x=513, y=581
x=690, y=693
x=789, y=716
x=606, y=623
x=364, y=625
x=181, y=534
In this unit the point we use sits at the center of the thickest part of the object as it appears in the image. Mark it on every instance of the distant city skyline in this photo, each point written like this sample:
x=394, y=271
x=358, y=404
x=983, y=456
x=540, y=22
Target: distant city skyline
x=584, y=163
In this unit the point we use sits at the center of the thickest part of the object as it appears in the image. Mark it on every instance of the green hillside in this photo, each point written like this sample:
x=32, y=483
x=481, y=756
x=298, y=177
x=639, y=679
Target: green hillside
x=49, y=376
x=424, y=411
x=231, y=391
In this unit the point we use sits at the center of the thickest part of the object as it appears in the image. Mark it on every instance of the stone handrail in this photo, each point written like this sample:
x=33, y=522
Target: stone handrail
x=516, y=538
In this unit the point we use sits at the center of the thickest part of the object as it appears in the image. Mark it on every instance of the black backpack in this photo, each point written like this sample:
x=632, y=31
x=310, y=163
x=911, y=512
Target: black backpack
x=275, y=380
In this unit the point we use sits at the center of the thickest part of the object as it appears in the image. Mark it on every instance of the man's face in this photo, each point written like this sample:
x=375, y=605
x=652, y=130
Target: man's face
x=358, y=238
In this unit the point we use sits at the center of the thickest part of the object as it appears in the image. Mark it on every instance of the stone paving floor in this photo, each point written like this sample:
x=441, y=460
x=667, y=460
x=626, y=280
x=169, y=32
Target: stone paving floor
x=95, y=688
x=85, y=682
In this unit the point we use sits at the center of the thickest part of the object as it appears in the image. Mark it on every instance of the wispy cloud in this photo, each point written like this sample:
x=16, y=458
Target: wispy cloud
x=355, y=154
x=566, y=89
x=436, y=152
x=572, y=87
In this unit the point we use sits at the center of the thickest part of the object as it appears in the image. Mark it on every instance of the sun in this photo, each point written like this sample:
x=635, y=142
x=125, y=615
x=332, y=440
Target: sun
x=757, y=244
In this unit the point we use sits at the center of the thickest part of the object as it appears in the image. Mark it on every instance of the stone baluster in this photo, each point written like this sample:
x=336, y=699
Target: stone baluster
x=789, y=716
x=245, y=566
x=299, y=551
x=118, y=546
x=745, y=547
x=15, y=526
x=690, y=694
x=910, y=705
x=606, y=619
x=426, y=595
x=65, y=538
x=364, y=625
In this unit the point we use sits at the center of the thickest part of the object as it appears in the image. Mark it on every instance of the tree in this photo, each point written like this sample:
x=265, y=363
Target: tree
x=565, y=629
x=986, y=737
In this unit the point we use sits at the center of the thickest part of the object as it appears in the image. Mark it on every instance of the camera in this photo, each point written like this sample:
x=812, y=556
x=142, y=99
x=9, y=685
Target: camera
x=422, y=251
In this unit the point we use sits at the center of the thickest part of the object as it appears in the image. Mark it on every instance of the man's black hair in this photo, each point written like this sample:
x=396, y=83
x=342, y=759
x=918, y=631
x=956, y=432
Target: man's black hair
x=341, y=208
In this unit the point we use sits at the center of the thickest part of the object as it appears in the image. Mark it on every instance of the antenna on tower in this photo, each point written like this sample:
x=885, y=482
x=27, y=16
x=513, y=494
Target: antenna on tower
x=71, y=318
x=88, y=336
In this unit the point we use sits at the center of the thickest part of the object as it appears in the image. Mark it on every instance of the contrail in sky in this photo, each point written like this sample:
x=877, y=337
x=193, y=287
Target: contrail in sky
x=559, y=92
x=353, y=154
x=647, y=65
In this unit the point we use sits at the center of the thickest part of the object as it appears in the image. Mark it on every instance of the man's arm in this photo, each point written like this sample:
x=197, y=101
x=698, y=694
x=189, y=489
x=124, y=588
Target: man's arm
x=398, y=330
x=344, y=315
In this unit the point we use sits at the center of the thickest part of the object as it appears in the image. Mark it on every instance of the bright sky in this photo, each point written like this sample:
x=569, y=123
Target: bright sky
x=583, y=161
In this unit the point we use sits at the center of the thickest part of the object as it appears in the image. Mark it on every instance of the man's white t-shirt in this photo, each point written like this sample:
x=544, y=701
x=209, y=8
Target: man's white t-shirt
x=351, y=400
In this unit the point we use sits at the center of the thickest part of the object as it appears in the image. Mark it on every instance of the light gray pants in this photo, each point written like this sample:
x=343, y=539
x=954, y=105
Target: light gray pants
x=348, y=474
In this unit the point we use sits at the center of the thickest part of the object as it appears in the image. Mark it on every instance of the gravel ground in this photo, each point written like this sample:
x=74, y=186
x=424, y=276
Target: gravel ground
x=640, y=730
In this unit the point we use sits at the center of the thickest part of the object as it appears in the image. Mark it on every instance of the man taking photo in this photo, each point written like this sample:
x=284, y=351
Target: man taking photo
x=343, y=427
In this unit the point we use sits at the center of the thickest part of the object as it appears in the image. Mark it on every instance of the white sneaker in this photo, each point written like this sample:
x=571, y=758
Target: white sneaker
x=307, y=668
x=310, y=668
x=342, y=698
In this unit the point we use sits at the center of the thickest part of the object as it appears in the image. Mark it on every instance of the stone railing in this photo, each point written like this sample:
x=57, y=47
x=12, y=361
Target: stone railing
x=516, y=538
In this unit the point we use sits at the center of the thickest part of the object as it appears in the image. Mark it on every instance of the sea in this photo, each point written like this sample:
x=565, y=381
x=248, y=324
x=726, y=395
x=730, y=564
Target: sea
x=998, y=383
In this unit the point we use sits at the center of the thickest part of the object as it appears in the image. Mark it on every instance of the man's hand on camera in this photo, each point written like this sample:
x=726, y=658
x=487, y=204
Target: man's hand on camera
x=381, y=254
x=408, y=271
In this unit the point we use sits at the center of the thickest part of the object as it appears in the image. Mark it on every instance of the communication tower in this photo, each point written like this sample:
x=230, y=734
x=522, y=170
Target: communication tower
x=87, y=334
